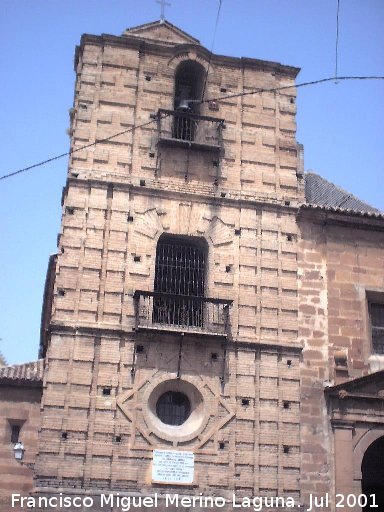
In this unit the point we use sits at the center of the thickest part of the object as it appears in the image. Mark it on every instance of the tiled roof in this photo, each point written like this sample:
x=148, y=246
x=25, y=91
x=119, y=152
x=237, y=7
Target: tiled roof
x=323, y=193
x=21, y=374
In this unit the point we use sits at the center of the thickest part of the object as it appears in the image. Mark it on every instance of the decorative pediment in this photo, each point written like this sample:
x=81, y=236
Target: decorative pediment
x=161, y=31
x=368, y=387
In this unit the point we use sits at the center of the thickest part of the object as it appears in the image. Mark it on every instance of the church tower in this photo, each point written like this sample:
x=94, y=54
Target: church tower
x=170, y=325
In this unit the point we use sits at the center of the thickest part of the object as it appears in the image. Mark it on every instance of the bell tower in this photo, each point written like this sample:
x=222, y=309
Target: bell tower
x=170, y=317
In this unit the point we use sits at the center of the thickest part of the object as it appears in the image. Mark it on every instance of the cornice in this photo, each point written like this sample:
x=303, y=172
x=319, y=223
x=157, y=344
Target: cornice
x=173, y=50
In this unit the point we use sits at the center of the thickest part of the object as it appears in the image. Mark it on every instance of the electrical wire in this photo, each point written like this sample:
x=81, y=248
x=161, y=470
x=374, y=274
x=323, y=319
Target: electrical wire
x=294, y=86
x=211, y=54
x=71, y=151
x=337, y=39
x=222, y=98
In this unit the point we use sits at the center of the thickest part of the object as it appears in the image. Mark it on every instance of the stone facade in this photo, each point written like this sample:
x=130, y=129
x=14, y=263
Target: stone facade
x=341, y=258
x=283, y=314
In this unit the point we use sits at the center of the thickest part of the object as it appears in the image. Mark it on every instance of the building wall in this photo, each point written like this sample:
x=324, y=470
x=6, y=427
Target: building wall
x=340, y=263
x=18, y=405
x=244, y=204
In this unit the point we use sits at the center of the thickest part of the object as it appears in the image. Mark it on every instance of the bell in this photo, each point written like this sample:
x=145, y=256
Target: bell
x=184, y=106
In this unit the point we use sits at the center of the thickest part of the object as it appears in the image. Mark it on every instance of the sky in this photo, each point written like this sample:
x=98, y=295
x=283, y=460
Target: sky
x=340, y=124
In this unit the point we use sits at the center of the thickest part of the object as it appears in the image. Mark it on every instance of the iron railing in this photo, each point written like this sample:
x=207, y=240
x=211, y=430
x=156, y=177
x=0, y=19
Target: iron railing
x=171, y=312
x=188, y=129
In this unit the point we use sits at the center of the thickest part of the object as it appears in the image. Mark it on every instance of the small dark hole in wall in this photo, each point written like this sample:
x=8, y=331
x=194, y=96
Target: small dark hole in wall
x=214, y=356
x=70, y=210
x=117, y=439
x=237, y=231
x=223, y=89
x=137, y=258
x=64, y=436
x=286, y=404
x=142, y=183
x=215, y=163
x=151, y=154
x=289, y=238
x=286, y=449
x=61, y=292
x=148, y=78
x=289, y=363
x=292, y=100
x=228, y=268
x=223, y=194
x=130, y=218
x=106, y=391
x=139, y=349
x=62, y=250
x=245, y=401
x=221, y=445
x=287, y=203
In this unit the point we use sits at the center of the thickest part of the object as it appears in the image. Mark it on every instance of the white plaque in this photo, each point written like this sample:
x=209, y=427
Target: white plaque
x=171, y=466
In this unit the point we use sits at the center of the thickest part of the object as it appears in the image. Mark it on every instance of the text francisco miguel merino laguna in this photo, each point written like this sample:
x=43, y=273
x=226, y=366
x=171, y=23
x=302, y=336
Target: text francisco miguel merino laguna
x=127, y=503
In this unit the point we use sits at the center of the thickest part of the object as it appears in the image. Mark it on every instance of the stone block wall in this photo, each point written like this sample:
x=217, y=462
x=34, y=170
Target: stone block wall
x=340, y=267
x=122, y=194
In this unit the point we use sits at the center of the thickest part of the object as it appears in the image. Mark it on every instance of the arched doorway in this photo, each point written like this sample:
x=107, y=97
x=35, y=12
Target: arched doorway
x=372, y=469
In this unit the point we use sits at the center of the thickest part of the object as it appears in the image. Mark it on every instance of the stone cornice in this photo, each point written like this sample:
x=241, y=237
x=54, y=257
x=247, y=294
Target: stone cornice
x=167, y=50
x=158, y=189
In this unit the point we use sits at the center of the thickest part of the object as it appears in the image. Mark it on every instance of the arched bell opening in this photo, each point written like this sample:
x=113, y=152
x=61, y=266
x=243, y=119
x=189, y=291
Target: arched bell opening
x=189, y=84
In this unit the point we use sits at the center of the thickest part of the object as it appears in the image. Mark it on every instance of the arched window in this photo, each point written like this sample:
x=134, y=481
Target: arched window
x=372, y=470
x=179, y=280
x=189, y=84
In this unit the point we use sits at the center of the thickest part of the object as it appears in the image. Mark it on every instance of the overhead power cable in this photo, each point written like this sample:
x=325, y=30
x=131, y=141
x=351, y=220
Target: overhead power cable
x=211, y=53
x=71, y=151
x=294, y=86
x=337, y=39
x=221, y=98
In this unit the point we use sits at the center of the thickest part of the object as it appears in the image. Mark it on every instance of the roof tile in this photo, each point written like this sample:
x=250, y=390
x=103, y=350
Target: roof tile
x=23, y=373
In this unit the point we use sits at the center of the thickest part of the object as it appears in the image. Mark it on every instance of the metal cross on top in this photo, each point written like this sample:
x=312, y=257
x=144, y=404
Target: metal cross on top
x=163, y=3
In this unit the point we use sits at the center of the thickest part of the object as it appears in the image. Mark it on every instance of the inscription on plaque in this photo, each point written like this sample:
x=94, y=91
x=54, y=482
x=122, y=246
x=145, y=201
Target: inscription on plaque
x=171, y=466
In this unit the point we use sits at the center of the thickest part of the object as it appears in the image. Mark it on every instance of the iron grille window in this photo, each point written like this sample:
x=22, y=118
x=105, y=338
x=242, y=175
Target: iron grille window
x=173, y=408
x=377, y=326
x=179, y=282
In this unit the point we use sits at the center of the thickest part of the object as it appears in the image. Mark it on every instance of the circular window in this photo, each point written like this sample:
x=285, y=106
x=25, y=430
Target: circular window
x=173, y=408
x=176, y=409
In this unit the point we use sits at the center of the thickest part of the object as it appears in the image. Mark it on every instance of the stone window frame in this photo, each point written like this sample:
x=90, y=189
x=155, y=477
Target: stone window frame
x=199, y=414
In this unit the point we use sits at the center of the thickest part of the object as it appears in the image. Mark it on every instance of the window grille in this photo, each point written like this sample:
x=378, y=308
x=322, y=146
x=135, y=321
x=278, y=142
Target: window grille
x=173, y=408
x=377, y=326
x=179, y=282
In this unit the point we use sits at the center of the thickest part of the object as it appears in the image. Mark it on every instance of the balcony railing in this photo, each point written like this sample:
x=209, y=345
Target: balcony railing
x=156, y=311
x=189, y=130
